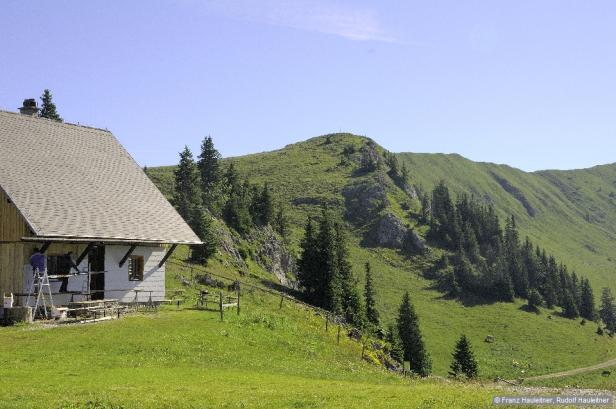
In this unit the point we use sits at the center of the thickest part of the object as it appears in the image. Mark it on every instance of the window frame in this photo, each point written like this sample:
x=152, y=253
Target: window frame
x=139, y=262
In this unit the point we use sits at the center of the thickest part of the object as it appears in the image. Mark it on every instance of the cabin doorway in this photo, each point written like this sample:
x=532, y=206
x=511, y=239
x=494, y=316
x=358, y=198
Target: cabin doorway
x=96, y=259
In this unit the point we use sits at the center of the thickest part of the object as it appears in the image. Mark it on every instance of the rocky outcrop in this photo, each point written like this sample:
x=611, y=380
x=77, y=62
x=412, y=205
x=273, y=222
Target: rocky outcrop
x=229, y=244
x=364, y=200
x=271, y=254
x=391, y=232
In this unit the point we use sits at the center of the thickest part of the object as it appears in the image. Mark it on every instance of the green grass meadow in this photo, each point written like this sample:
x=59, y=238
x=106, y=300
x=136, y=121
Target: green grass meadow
x=264, y=358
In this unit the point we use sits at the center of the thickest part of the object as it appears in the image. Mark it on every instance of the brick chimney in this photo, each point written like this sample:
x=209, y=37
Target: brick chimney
x=29, y=108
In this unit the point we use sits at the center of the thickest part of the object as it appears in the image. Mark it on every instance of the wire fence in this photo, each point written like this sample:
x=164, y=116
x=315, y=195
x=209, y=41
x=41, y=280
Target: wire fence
x=354, y=333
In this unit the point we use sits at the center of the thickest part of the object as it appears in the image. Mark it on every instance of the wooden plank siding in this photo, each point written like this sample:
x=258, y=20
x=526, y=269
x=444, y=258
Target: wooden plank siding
x=12, y=225
x=14, y=256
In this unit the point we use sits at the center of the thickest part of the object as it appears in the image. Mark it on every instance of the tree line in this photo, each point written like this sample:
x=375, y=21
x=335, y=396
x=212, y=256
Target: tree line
x=206, y=189
x=493, y=264
x=327, y=281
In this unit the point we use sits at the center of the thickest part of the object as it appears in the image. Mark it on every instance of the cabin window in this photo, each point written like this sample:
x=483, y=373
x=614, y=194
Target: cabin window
x=58, y=264
x=135, y=268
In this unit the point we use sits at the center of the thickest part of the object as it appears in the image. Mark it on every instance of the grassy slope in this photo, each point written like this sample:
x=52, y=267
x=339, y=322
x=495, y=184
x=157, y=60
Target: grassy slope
x=311, y=172
x=591, y=380
x=265, y=358
x=563, y=200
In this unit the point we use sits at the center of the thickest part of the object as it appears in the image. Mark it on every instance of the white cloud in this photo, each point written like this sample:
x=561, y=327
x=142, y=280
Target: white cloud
x=344, y=20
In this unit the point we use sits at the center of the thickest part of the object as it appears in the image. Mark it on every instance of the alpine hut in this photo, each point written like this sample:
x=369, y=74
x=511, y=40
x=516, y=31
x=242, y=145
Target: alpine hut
x=74, y=191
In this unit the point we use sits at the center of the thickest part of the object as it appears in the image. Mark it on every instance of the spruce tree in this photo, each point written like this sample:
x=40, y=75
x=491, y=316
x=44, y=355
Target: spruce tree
x=569, y=307
x=518, y=273
x=202, y=224
x=326, y=281
x=346, y=297
x=464, y=362
x=186, y=181
x=411, y=339
x=48, y=108
x=607, y=312
x=372, y=314
x=264, y=208
x=209, y=169
x=587, y=301
x=308, y=264
x=534, y=300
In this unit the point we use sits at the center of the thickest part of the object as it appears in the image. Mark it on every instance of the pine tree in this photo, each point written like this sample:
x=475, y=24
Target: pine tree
x=569, y=308
x=503, y=284
x=186, y=180
x=372, y=314
x=346, y=297
x=411, y=339
x=326, y=281
x=236, y=211
x=264, y=206
x=587, y=301
x=209, y=169
x=308, y=264
x=48, y=108
x=202, y=224
x=607, y=312
x=534, y=300
x=518, y=273
x=464, y=362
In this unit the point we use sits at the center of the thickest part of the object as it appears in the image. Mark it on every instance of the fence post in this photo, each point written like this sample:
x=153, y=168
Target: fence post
x=281, y=300
x=221, y=309
x=326, y=322
x=363, y=350
x=338, y=336
x=238, y=298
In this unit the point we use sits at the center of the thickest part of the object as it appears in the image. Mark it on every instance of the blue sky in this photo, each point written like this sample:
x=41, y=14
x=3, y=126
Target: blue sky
x=527, y=83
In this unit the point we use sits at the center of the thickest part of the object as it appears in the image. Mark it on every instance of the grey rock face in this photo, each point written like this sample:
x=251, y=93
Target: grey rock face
x=364, y=200
x=391, y=232
x=272, y=255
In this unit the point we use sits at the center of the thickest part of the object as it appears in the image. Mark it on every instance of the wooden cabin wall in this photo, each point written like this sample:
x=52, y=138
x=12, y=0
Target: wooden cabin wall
x=14, y=256
x=12, y=225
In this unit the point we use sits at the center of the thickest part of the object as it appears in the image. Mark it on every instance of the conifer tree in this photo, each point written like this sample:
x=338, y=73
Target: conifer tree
x=607, y=312
x=308, y=264
x=344, y=290
x=202, y=224
x=326, y=281
x=568, y=304
x=503, y=284
x=48, y=108
x=372, y=314
x=464, y=362
x=518, y=273
x=264, y=206
x=534, y=300
x=587, y=301
x=236, y=212
x=210, y=171
x=186, y=181
x=411, y=340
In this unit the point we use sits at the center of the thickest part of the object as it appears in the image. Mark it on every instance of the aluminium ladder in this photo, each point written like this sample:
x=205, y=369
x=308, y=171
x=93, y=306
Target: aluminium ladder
x=40, y=286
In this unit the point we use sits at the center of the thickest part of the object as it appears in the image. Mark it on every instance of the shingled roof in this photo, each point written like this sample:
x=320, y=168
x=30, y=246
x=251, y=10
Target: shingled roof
x=75, y=182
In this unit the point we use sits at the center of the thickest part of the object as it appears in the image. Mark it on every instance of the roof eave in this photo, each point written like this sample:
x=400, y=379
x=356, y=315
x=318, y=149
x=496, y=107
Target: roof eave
x=109, y=240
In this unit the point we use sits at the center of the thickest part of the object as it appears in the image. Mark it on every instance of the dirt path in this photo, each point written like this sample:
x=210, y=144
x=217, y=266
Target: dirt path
x=606, y=364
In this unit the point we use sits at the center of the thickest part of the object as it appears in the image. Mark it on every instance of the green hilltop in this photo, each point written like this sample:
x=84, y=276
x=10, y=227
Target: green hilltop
x=567, y=212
